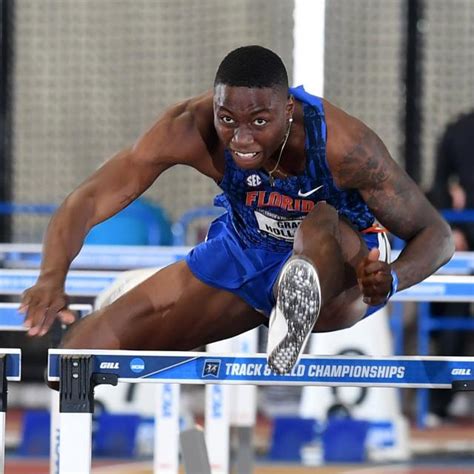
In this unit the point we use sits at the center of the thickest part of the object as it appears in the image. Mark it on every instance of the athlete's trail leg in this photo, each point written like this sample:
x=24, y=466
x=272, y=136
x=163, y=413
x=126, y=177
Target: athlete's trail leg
x=315, y=273
x=318, y=238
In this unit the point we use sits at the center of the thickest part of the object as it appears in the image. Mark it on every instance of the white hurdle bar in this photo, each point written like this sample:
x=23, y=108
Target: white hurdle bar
x=80, y=369
x=91, y=283
x=10, y=370
x=127, y=257
x=110, y=257
x=78, y=282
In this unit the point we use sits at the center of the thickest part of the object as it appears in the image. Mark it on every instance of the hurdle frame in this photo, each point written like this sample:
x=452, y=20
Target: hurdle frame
x=80, y=370
x=88, y=284
x=10, y=370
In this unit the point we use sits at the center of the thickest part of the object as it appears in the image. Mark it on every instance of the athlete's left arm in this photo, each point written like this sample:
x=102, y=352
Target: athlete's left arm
x=364, y=163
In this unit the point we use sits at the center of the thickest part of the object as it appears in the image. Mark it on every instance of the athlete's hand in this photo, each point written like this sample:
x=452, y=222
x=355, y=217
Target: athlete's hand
x=374, y=278
x=42, y=304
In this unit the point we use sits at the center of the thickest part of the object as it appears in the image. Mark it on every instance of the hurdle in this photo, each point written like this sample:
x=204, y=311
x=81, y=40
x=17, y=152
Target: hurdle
x=78, y=282
x=82, y=283
x=96, y=257
x=440, y=287
x=434, y=288
x=437, y=287
x=12, y=320
x=128, y=257
x=462, y=263
x=453, y=288
x=10, y=371
x=80, y=370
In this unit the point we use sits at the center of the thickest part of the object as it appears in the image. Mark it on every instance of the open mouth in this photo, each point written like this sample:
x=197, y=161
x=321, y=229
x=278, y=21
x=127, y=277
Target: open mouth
x=246, y=157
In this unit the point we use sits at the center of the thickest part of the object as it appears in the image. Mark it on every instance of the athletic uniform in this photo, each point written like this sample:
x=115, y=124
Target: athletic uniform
x=247, y=246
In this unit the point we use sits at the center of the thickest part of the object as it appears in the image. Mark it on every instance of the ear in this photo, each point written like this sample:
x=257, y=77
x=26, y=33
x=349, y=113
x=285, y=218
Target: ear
x=290, y=107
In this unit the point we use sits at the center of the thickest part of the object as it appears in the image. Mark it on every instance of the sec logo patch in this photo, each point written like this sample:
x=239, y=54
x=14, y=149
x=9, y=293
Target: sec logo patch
x=254, y=180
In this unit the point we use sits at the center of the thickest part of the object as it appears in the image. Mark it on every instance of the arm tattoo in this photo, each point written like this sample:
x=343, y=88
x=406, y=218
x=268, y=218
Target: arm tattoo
x=388, y=191
x=399, y=205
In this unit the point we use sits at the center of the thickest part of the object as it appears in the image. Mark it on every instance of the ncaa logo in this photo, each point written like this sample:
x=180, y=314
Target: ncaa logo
x=137, y=365
x=254, y=180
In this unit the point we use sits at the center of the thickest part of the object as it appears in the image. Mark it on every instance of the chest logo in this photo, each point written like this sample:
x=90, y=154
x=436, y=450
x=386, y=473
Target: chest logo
x=254, y=180
x=311, y=191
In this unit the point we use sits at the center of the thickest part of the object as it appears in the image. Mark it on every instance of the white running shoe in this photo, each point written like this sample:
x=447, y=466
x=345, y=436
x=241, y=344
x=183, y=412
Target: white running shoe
x=294, y=315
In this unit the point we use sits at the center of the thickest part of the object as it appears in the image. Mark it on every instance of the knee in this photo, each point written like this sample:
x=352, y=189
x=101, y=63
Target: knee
x=323, y=212
x=342, y=312
x=323, y=219
x=320, y=226
x=124, y=283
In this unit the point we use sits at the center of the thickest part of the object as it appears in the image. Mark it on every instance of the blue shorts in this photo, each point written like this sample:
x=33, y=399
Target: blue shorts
x=224, y=262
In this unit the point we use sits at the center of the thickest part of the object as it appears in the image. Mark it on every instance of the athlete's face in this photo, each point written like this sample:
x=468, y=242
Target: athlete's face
x=251, y=122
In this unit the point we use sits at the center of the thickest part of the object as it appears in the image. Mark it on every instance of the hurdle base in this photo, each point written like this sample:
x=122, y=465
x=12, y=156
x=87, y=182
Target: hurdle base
x=463, y=385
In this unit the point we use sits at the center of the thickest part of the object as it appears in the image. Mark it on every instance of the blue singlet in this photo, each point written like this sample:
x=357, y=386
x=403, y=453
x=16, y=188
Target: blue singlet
x=247, y=246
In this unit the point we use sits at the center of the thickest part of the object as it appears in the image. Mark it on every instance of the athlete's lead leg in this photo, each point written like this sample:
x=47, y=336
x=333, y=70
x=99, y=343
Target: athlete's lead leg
x=171, y=310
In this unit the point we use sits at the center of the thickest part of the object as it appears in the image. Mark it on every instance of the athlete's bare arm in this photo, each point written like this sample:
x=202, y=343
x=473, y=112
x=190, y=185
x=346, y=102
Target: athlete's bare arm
x=176, y=138
x=359, y=160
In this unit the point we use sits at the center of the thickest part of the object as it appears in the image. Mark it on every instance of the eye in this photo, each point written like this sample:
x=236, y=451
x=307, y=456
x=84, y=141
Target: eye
x=227, y=120
x=260, y=122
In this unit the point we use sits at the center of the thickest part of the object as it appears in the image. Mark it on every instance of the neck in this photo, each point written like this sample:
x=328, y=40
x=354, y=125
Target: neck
x=280, y=153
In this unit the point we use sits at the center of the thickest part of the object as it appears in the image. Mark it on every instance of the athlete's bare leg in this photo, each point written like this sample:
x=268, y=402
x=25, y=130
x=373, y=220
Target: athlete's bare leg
x=172, y=310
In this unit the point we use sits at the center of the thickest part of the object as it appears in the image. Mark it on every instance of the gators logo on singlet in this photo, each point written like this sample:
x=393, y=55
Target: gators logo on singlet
x=267, y=216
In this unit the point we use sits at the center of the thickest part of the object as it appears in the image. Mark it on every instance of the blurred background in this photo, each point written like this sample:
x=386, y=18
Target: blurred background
x=82, y=79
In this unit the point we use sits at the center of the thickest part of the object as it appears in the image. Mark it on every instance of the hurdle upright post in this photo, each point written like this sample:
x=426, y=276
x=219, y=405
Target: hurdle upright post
x=3, y=406
x=166, y=444
x=76, y=405
x=10, y=370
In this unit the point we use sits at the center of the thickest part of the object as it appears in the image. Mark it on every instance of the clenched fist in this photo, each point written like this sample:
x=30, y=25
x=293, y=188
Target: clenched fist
x=375, y=279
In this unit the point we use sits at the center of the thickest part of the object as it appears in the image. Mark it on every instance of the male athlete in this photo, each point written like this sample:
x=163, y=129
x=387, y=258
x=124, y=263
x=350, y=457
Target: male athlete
x=305, y=187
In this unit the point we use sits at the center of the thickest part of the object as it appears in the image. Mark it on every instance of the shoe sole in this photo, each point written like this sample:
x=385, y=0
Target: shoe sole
x=299, y=300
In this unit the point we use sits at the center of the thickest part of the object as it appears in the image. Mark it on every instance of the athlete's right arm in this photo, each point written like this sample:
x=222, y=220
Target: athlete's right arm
x=112, y=187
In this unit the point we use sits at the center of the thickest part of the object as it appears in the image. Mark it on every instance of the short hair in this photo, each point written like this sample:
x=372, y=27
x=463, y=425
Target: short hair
x=252, y=66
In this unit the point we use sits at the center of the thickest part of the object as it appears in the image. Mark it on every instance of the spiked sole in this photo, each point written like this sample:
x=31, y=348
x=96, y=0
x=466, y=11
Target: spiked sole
x=298, y=302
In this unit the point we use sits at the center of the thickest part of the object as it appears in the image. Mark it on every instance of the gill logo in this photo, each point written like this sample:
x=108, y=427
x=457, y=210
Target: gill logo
x=109, y=365
x=461, y=372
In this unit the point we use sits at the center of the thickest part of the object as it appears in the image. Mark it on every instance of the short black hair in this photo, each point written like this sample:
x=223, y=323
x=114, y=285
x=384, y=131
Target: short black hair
x=252, y=66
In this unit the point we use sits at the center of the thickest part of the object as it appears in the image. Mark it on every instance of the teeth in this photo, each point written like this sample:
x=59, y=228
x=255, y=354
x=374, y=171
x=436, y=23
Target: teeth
x=245, y=155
